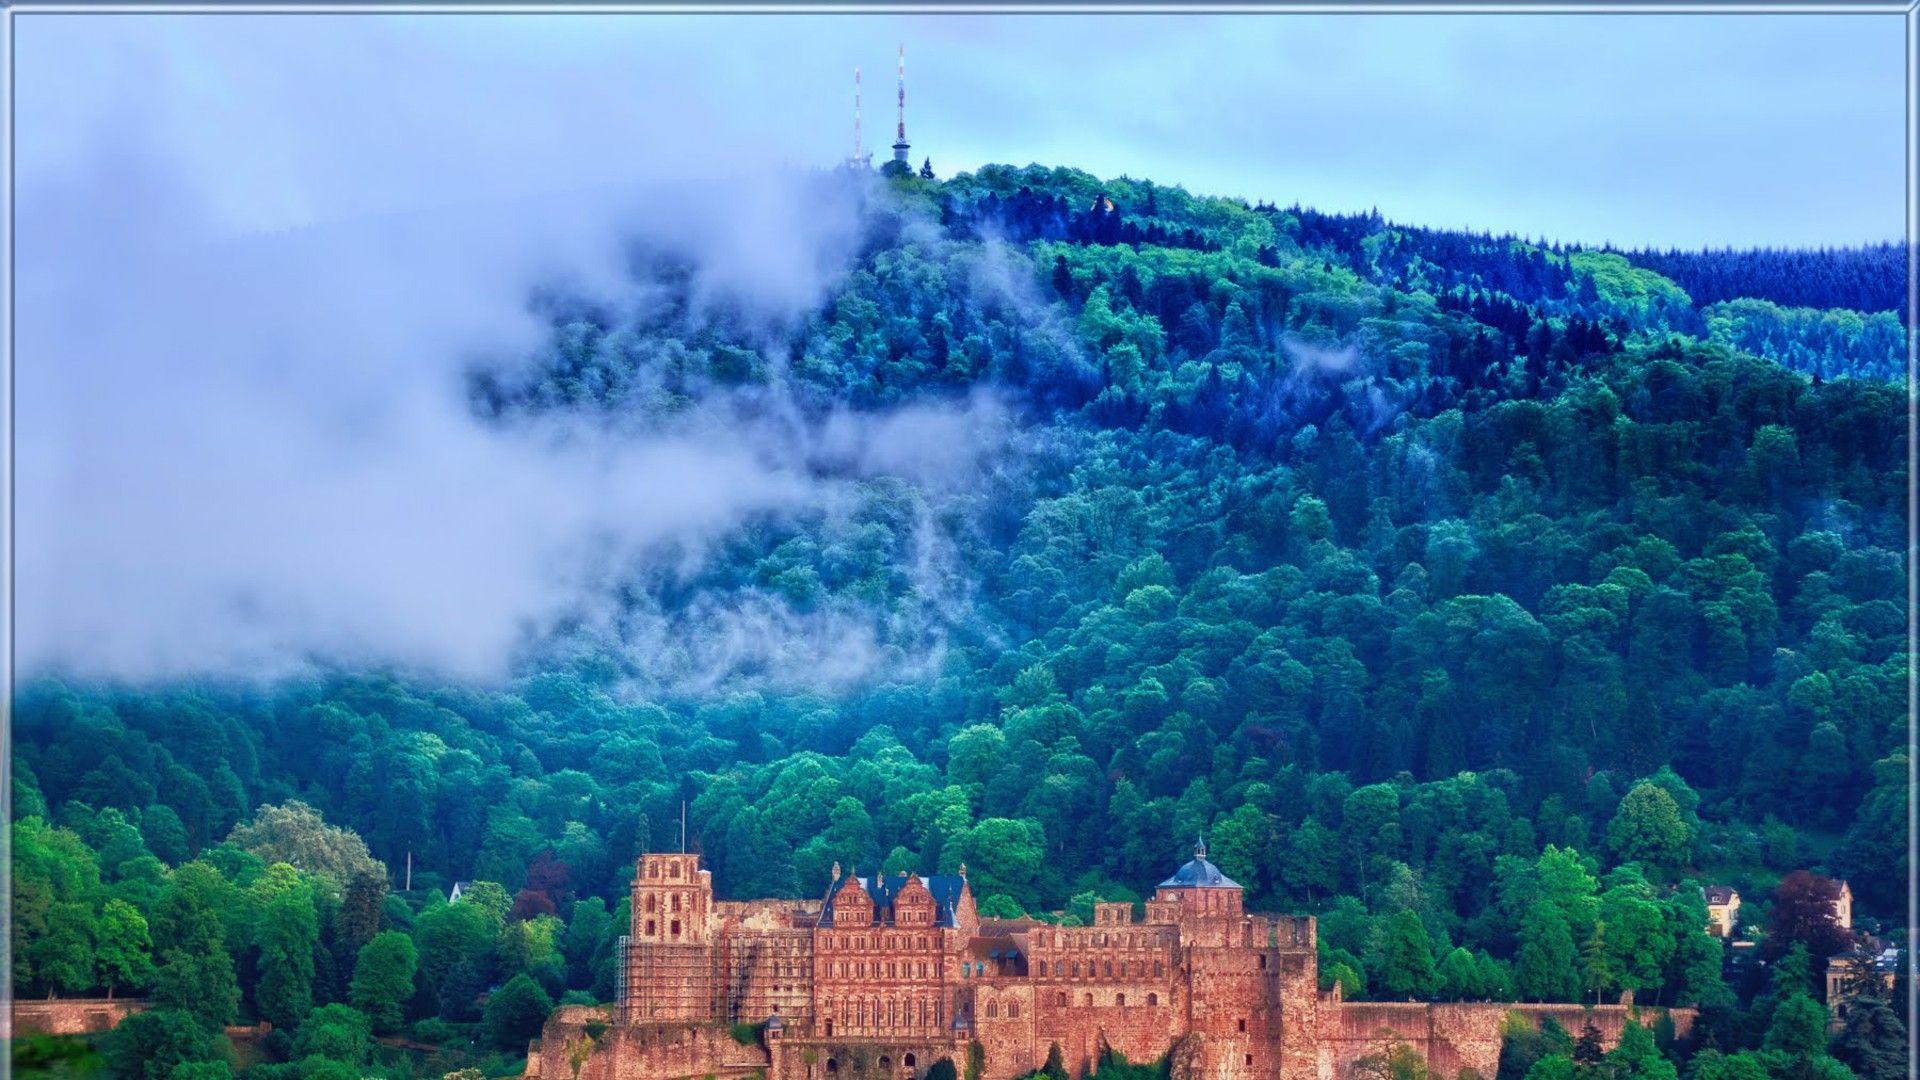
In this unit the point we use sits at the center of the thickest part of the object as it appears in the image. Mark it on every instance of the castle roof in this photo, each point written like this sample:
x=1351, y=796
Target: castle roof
x=1199, y=873
x=1006, y=927
x=945, y=888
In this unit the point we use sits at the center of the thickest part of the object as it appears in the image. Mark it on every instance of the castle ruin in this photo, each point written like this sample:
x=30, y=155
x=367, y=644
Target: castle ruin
x=885, y=975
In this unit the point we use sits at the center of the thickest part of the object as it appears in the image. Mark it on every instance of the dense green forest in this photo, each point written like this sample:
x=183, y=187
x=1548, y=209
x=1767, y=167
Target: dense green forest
x=1869, y=278
x=1484, y=597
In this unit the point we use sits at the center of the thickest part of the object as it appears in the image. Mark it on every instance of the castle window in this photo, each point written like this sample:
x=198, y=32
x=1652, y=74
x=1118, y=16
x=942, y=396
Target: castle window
x=832, y=1065
x=1076, y=969
x=993, y=1010
x=1153, y=999
x=674, y=870
x=1089, y=999
x=1013, y=1009
x=885, y=1062
x=1249, y=1061
x=676, y=902
x=676, y=928
x=1059, y=968
x=1060, y=999
x=650, y=927
x=1109, y=971
x=1158, y=969
x=1263, y=961
x=650, y=903
x=1243, y=1027
x=907, y=1061
x=1120, y=999
x=653, y=869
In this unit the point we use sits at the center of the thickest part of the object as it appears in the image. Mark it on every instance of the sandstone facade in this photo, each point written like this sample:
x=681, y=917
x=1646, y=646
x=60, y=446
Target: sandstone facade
x=883, y=976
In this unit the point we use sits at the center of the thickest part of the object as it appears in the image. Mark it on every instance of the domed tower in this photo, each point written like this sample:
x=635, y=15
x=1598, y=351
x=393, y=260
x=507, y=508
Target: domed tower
x=1200, y=890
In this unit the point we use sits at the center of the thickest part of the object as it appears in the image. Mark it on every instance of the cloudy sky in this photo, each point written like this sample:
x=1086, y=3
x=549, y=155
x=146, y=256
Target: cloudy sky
x=1653, y=129
x=256, y=253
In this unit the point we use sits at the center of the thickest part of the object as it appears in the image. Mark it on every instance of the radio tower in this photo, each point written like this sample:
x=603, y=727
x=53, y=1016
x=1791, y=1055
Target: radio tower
x=900, y=146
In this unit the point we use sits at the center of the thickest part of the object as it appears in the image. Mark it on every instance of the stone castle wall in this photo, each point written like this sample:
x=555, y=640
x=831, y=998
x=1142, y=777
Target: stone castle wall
x=1454, y=1036
x=69, y=1016
x=869, y=1059
x=607, y=1049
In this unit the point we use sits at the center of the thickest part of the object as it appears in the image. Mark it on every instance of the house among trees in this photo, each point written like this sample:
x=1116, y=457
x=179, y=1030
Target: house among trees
x=1723, y=910
x=1863, y=971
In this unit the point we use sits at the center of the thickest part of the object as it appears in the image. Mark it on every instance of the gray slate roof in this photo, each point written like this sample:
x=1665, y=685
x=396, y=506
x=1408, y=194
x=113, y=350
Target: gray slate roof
x=944, y=887
x=1199, y=873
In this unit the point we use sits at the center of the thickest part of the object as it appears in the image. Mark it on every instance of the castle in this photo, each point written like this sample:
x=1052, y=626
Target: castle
x=885, y=975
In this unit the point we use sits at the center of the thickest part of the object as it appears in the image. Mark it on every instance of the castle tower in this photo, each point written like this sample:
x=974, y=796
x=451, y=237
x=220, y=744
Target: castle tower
x=669, y=969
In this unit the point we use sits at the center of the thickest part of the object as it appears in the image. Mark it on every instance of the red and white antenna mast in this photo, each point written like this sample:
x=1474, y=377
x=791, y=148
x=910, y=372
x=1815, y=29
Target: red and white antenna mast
x=856, y=116
x=900, y=146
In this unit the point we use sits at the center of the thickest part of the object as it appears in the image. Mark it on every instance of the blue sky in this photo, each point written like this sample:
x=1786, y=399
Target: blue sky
x=1655, y=129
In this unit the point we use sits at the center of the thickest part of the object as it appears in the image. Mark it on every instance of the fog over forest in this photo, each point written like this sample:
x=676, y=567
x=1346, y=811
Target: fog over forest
x=484, y=469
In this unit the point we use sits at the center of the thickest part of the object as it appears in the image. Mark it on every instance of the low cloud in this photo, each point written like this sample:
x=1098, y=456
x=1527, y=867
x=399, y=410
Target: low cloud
x=243, y=457
x=1320, y=361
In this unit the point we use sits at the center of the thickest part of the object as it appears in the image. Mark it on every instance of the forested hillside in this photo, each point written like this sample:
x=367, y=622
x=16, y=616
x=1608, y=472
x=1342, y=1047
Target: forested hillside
x=1484, y=597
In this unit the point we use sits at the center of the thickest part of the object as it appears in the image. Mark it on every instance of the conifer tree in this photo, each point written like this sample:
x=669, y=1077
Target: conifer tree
x=1587, y=1049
